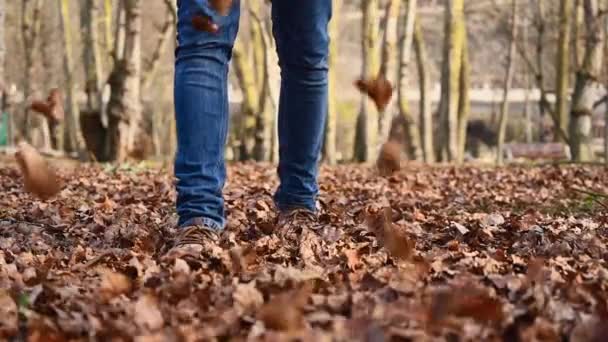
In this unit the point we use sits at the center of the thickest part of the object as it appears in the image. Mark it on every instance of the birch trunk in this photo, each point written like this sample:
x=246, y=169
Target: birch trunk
x=426, y=114
x=504, y=109
x=587, y=77
x=563, y=63
x=452, y=62
x=406, y=37
x=464, y=106
x=73, y=140
x=332, y=110
x=366, y=135
x=124, y=108
x=389, y=64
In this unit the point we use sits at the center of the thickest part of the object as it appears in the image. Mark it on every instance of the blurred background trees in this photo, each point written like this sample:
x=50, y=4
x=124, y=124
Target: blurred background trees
x=489, y=80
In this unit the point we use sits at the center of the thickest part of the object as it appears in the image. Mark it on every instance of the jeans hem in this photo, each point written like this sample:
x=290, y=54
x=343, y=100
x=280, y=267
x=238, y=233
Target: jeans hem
x=203, y=221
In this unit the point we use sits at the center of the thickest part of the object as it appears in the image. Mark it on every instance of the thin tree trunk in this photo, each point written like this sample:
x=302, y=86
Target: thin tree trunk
x=245, y=75
x=452, y=62
x=166, y=32
x=3, y=83
x=587, y=77
x=406, y=37
x=504, y=110
x=527, y=114
x=563, y=63
x=606, y=86
x=92, y=55
x=265, y=112
x=426, y=114
x=30, y=16
x=366, y=135
x=73, y=138
x=108, y=9
x=332, y=110
x=125, y=102
x=389, y=66
x=464, y=105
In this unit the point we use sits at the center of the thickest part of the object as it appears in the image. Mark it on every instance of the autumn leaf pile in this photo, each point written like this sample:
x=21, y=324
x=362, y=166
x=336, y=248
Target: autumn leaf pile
x=446, y=254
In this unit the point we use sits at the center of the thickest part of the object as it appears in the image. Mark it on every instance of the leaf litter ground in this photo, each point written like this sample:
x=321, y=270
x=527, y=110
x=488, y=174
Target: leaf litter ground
x=445, y=254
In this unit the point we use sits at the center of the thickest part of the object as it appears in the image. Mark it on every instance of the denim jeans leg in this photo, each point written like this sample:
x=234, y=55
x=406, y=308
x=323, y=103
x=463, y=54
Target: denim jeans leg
x=300, y=31
x=201, y=112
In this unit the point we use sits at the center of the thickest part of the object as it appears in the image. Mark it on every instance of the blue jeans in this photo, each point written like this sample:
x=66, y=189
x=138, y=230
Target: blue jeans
x=201, y=105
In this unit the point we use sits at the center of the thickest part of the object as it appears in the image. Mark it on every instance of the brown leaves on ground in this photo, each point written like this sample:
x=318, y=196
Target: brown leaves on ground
x=389, y=158
x=396, y=242
x=52, y=108
x=379, y=89
x=38, y=177
x=430, y=253
x=465, y=301
x=284, y=311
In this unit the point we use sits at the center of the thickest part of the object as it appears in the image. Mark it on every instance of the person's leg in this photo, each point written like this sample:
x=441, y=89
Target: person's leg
x=300, y=30
x=201, y=109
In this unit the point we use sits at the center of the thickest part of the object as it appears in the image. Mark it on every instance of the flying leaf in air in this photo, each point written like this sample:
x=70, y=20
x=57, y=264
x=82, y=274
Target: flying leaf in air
x=379, y=90
x=38, y=177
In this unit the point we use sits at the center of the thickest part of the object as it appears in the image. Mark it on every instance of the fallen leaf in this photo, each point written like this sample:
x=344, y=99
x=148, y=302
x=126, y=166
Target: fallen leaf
x=352, y=258
x=466, y=302
x=461, y=229
x=284, y=311
x=9, y=324
x=147, y=314
x=113, y=284
x=38, y=177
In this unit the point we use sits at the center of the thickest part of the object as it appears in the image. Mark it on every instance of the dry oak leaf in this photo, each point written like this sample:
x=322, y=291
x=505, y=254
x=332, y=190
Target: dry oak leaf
x=52, y=108
x=38, y=177
x=389, y=159
x=466, y=302
x=147, y=315
x=379, y=90
x=396, y=242
x=9, y=324
x=113, y=284
x=284, y=311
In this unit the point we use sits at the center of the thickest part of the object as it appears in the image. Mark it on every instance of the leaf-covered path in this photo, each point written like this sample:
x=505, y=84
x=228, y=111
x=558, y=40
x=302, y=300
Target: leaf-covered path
x=464, y=254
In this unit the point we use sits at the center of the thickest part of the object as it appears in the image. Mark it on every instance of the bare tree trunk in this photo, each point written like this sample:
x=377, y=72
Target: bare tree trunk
x=266, y=110
x=3, y=84
x=586, y=80
x=30, y=17
x=563, y=63
x=246, y=78
x=504, y=110
x=166, y=32
x=125, y=105
x=92, y=54
x=452, y=62
x=406, y=37
x=366, y=135
x=464, y=106
x=332, y=110
x=606, y=86
x=527, y=114
x=426, y=114
x=389, y=66
x=73, y=138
